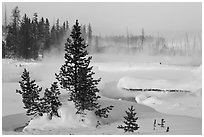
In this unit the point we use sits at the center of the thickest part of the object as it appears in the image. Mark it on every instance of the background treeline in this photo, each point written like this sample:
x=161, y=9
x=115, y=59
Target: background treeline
x=188, y=45
x=30, y=38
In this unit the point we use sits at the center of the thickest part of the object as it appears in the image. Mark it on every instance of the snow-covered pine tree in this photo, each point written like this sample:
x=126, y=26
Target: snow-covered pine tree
x=131, y=119
x=30, y=95
x=76, y=75
x=50, y=101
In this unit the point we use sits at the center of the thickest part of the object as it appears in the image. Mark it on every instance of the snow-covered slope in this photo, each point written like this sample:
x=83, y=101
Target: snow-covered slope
x=69, y=123
x=115, y=76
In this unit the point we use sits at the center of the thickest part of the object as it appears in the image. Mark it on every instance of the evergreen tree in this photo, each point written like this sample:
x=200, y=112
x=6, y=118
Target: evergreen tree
x=89, y=38
x=3, y=49
x=53, y=35
x=58, y=36
x=10, y=43
x=35, y=36
x=130, y=123
x=41, y=35
x=64, y=28
x=51, y=102
x=47, y=35
x=76, y=75
x=25, y=38
x=12, y=39
x=30, y=95
x=67, y=28
x=41, y=29
x=83, y=33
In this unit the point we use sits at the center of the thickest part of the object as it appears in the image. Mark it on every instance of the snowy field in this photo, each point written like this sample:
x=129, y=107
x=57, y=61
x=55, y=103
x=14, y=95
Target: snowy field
x=182, y=111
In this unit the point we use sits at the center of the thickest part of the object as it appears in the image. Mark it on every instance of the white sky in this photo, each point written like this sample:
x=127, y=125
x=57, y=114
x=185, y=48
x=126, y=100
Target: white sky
x=115, y=18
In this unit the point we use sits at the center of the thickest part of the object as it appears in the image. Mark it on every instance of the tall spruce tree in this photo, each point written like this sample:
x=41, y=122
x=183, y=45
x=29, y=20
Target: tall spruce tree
x=30, y=95
x=76, y=75
x=50, y=101
x=131, y=119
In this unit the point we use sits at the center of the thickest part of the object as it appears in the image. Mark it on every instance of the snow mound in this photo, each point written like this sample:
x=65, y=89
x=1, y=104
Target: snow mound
x=67, y=119
x=147, y=99
x=152, y=101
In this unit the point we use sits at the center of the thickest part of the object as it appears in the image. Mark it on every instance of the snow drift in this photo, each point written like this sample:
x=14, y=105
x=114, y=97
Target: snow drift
x=163, y=84
x=67, y=119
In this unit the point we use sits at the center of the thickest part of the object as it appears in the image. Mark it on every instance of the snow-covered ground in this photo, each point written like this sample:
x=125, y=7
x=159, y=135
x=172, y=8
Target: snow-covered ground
x=181, y=111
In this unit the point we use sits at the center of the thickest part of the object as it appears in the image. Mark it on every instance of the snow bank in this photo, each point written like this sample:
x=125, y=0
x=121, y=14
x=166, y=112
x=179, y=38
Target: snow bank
x=153, y=101
x=67, y=119
x=134, y=83
x=148, y=100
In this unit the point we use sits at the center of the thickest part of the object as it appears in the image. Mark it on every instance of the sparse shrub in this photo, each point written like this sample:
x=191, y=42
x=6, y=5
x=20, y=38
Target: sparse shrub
x=167, y=129
x=162, y=123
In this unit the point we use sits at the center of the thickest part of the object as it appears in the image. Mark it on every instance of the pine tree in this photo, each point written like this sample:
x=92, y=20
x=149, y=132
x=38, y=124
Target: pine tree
x=41, y=29
x=53, y=37
x=58, y=36
x=12, y=39
x=51, y=102
x=130, y=123
x=89, y=38
x=3, y=49
x=83, y=32
x=64, y=28
x=25, y=38
x=67, y=28
x=76, y=75
x=30, y=95
x=35, y=36
x=47, y=35
x=41, y=36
